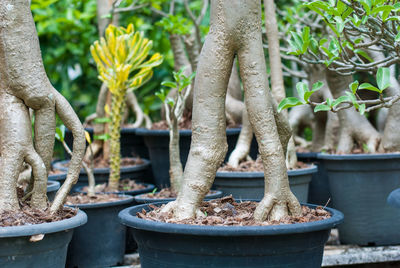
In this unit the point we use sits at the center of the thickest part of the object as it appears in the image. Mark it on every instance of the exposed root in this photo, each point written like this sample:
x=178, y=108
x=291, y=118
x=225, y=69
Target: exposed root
x=274, y=207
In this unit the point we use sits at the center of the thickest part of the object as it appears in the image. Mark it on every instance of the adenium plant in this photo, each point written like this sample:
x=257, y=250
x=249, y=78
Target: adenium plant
x=123, y=65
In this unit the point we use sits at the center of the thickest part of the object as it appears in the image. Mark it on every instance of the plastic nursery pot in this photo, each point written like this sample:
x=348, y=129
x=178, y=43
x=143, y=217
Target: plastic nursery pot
x=142, y=199
x=17, y=251
x=318, y=192
x=136, y=172
x=131, y=144
x=60, y=177
x=52, y=188
x=130, y=243
x=181, y=245
x=245, y=185
x=360, y=185
x=157, y=141
x=101, y=242
x=393, y=198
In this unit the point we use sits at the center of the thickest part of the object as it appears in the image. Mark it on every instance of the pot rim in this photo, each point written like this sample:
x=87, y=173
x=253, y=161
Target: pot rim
x=60, y=166
x=53, y=185
x=128, y=219
x=182, y=132
x=358, y=156
x=44, y=228
x=57, y=176
x=237, y=174
x=128, y=199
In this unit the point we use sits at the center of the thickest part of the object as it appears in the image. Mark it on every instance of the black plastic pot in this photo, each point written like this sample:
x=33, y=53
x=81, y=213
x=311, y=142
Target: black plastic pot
x=319, y=192
x=393, y=199
x=101, y=242
x=157, y=142
x=130, y=243
x=17, y=251
x=60, y=177
x=360, y=185
x=136, y=172
x=131, y=144
x=141, y=199
x=245, y=185
x=52, y=188
x=183, y=246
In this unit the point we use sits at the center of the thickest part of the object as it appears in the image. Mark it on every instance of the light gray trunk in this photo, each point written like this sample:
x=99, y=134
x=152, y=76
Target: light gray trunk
x=235, y=28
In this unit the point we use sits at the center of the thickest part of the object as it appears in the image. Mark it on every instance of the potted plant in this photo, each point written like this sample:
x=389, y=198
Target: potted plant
x=367, y=173
x=40, y=239
x=123, y=64
x=235, y=28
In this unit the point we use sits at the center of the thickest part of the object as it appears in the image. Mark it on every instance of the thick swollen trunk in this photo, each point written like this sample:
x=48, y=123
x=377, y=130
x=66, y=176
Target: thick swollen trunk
x=235, y=29
x=326, y=124
x=277, y=84
x=24, y=85
x=353, y=127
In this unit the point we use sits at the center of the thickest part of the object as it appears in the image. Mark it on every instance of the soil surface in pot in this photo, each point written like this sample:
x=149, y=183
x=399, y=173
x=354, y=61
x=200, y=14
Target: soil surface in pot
x=81, y=198
x=255, y=166
x=28, y=216
x=100, y=162
x=166, y=193
x=226, y=211
x=124, y=185
x=184, y=123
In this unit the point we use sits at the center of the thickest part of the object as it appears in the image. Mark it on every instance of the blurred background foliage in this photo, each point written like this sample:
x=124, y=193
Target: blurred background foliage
x=67, y=28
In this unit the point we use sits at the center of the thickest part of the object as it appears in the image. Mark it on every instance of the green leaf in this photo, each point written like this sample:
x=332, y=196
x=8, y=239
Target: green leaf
x=361, y=108
x=103, y=137
x=101, y=120
x=301, y=89
x=169, y=84
x=363, y=54
x=397, y=38
x=322, y=107
x=289, y=102
x=60, y=133
x=317, y=85
x=340, y=100
x=369, y=87
x=354, y=86
x=383, y=78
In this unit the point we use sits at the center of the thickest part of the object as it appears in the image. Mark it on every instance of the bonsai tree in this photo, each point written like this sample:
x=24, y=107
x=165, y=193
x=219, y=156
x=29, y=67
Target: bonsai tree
x=23, y=86
x=355, y=43
x=235, y=29
x=123, y=65
x=173, y=113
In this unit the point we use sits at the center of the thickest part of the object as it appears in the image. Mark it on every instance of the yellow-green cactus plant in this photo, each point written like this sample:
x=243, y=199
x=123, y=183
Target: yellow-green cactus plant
x=123, y=63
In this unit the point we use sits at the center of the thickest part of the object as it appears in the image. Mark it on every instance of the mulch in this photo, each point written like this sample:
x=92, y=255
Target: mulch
x=124, y=185
x=28, y=216
x=80, y=198
x=226, y=211
x=255, y=166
